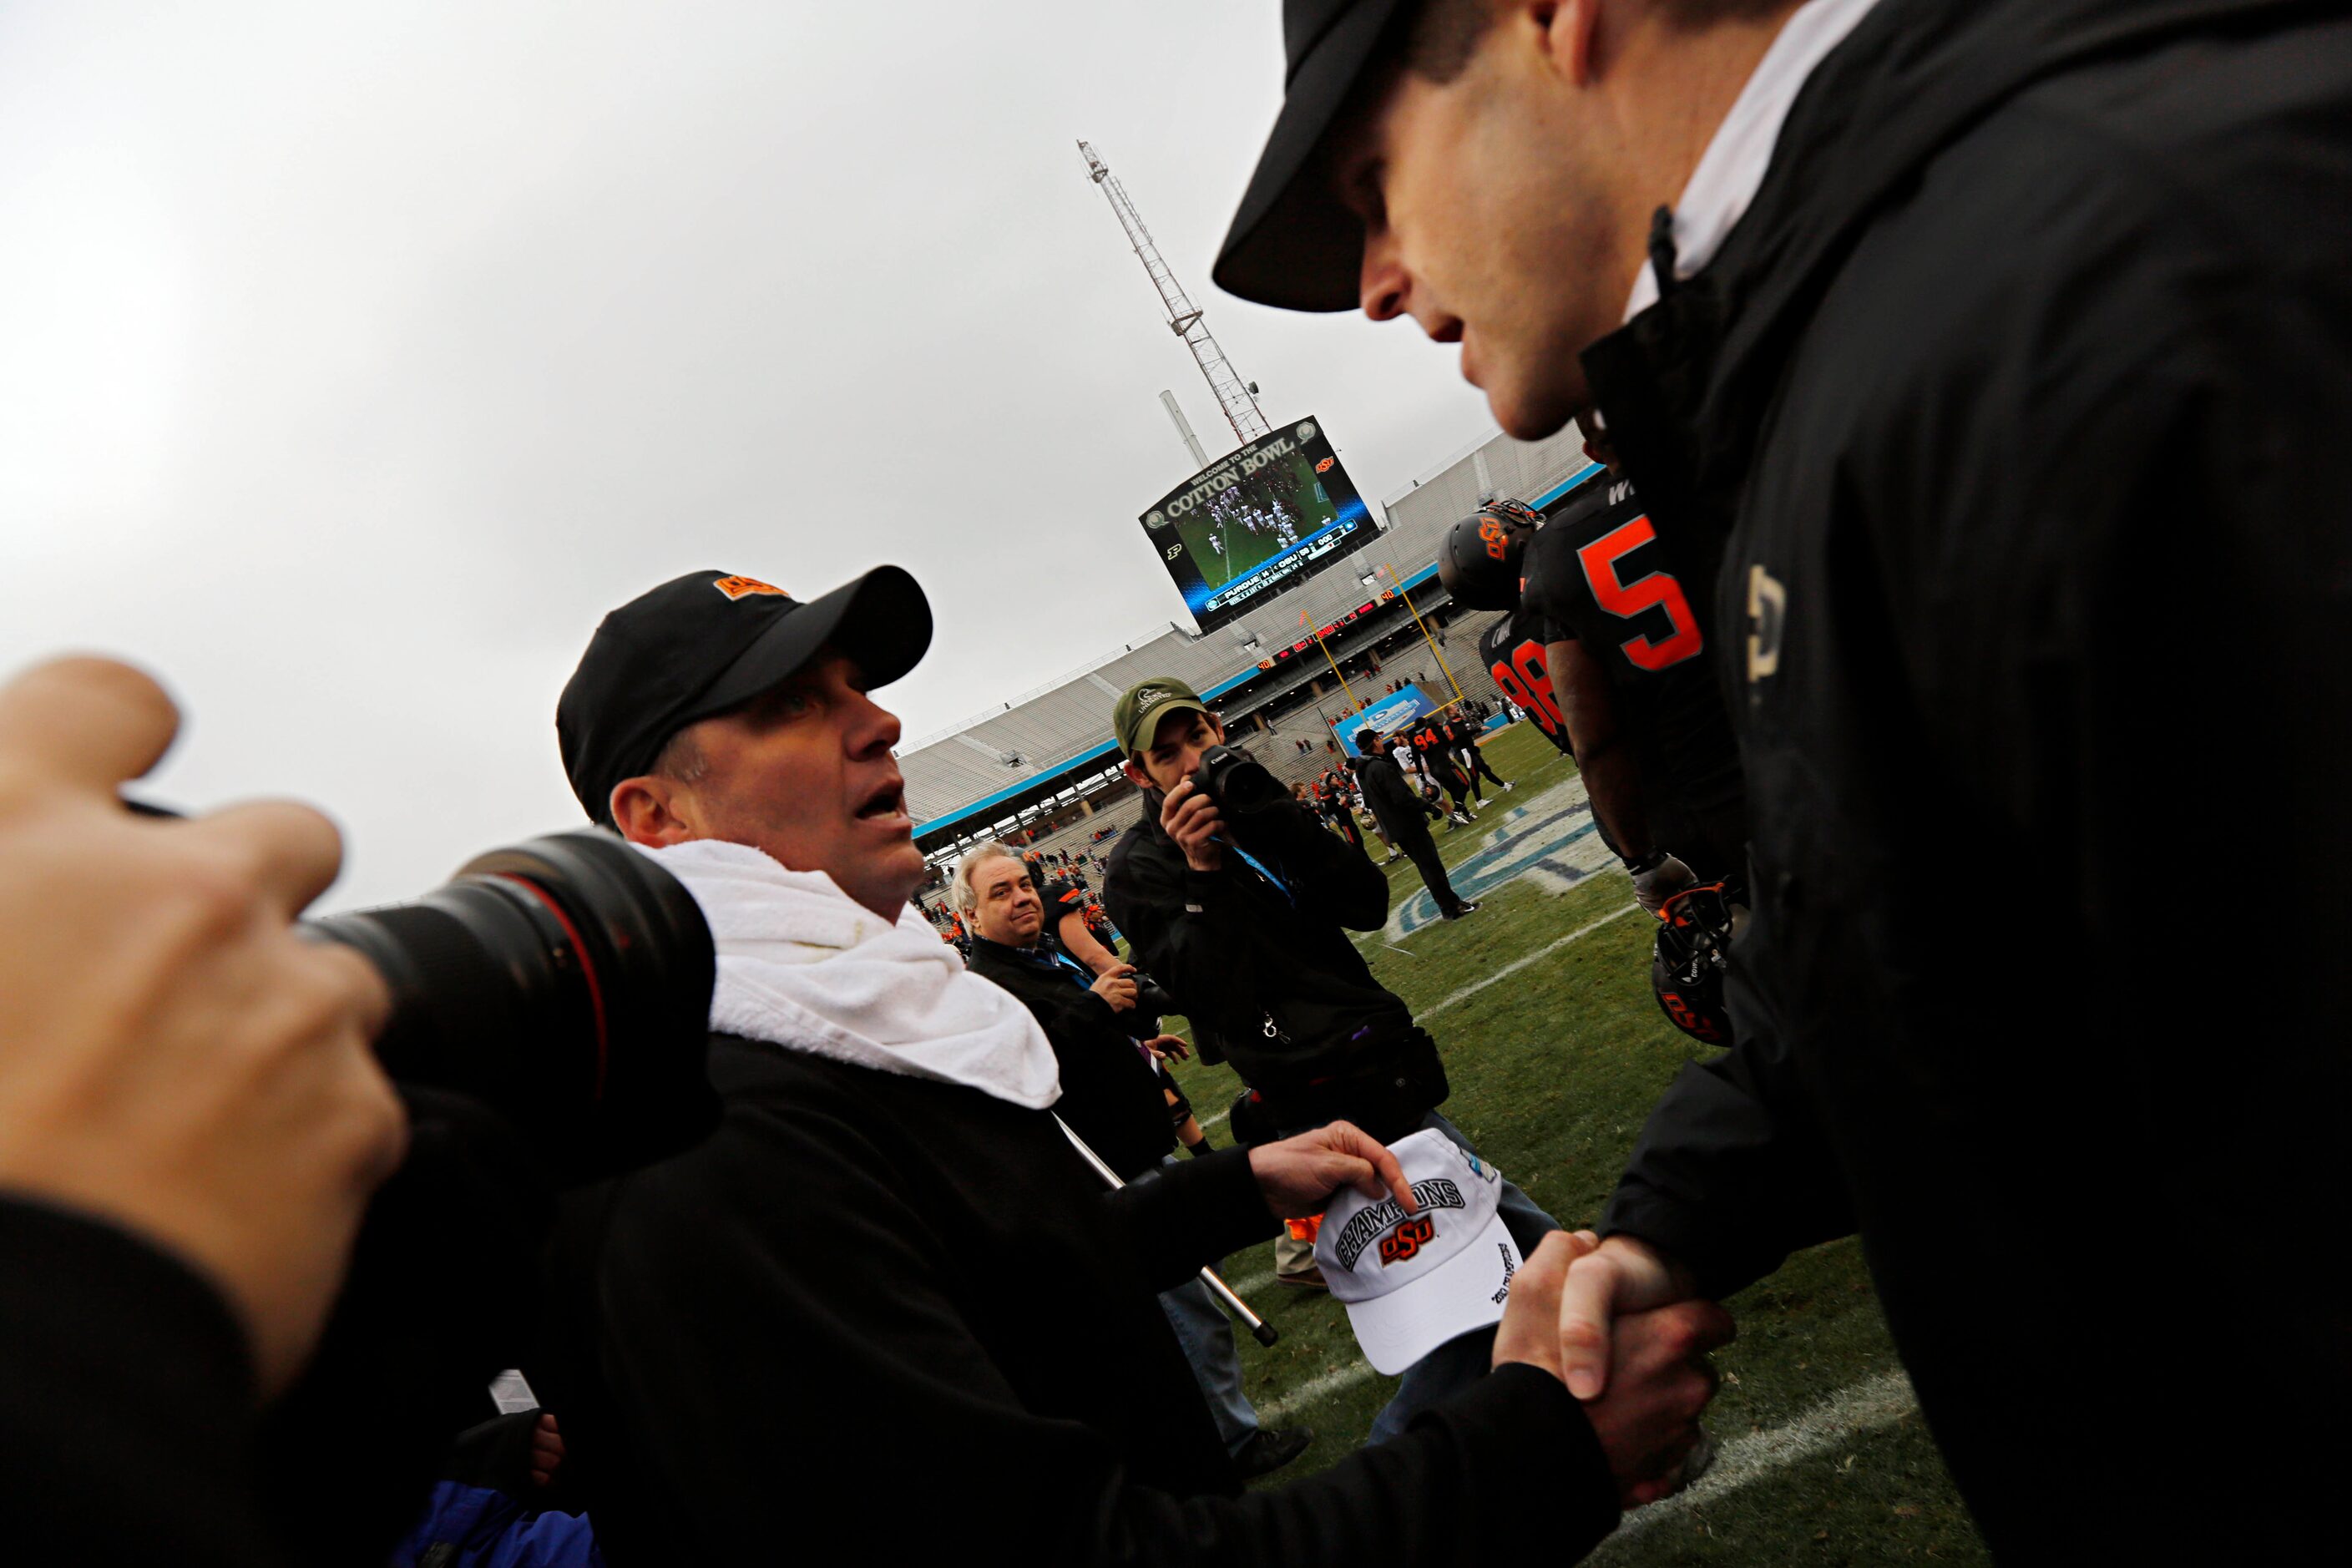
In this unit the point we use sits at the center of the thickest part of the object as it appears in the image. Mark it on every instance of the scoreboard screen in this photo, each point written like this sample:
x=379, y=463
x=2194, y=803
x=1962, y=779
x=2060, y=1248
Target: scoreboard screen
x=1263, y=517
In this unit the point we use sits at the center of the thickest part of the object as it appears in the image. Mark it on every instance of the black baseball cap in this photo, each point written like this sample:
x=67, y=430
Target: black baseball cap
x=1293, y=244
x=708, y=641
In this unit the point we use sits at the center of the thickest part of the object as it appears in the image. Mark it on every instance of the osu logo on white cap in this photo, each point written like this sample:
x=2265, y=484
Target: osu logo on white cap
x=1413, y=1282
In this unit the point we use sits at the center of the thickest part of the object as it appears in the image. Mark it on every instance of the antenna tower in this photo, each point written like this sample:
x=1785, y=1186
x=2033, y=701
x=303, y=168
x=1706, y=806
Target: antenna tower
x=1234, y=395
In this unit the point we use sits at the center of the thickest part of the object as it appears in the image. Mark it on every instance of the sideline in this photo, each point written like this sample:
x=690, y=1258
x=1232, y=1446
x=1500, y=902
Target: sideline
x=1864, y=1408
x=1516, y=964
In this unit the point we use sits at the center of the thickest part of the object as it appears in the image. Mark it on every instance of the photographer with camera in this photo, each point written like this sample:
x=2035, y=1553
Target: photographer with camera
x=1240, y=903
x=1105, y=1045
x=190, y=1124
x=888, y=1278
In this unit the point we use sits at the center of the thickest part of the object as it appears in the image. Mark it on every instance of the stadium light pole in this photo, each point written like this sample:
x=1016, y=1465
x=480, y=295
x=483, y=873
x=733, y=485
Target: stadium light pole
x=1436, y=652
x=1307, y=620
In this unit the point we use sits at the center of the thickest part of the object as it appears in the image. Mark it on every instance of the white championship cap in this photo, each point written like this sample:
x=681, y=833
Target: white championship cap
x=1413, y=1282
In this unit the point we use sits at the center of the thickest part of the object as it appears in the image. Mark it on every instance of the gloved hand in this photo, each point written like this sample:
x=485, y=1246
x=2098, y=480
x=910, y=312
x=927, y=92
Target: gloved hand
x=1658, y=877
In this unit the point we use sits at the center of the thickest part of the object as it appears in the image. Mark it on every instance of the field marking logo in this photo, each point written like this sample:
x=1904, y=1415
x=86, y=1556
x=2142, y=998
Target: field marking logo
x=741, y=587
x=1551, y=841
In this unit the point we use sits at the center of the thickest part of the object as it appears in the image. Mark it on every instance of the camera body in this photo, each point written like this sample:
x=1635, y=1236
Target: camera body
x=1238, y=783
x=1152, y=1001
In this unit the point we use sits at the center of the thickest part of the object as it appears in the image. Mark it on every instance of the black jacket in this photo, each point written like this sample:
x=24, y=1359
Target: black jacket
x=1110, y=1096
x=127, y=1409
x=2022, y=395
x=892, y=1312
x=1264, y=964
x=1395, y=805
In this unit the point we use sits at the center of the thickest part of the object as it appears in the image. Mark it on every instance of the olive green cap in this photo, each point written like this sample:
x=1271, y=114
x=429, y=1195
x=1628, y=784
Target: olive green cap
x=1136, y=718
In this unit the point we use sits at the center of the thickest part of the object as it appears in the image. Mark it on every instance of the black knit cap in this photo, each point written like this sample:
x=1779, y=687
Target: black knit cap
x=708, y=641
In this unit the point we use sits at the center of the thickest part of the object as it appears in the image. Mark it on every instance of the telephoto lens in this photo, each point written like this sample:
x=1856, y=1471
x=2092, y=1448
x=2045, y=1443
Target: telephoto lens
x=565, y=982
x=1238, y=783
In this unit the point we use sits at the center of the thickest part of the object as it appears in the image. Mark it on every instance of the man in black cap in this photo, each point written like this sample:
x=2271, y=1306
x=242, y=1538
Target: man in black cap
x=886, y=1298
x=1953, y=346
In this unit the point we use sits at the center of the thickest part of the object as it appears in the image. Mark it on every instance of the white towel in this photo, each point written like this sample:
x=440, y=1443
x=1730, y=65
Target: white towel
x=804, y=967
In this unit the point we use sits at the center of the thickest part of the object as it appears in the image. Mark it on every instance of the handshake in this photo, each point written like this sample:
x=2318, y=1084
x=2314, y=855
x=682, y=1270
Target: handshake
x=1611, y=1320
x=1622, y=1329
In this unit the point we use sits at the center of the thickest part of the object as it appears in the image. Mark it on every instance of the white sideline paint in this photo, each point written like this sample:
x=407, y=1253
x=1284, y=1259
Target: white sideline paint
x=1516, y=964
x=1313, y=1389
x=1865, y=1407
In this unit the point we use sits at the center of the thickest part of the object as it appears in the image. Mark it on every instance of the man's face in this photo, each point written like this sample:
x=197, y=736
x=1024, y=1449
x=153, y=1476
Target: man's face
x=805, y=773
x=1488, y=220
x=1177, y=743
x=1009, y=910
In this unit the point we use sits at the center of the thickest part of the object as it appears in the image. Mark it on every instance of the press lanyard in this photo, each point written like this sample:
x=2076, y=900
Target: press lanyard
x=1260, y=868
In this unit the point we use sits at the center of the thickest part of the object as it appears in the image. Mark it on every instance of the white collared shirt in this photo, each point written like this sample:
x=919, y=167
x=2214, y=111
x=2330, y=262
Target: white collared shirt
x=1732, y=168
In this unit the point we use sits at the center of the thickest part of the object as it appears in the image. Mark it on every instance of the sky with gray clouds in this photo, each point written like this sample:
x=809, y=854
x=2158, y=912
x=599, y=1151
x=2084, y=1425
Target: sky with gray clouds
x=358, y=357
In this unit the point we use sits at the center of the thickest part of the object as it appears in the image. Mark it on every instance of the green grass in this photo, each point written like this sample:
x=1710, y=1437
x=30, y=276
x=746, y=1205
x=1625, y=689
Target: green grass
x=1553, y=1071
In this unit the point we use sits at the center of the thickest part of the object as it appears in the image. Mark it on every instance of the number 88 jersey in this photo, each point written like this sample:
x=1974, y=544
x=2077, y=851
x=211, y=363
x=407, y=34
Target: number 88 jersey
x=1512, y=649
x=1599, y=573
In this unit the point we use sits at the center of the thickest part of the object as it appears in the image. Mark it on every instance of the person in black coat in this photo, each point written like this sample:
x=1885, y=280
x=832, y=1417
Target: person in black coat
x=1400, y=808
x=1996, y=360
x=887, y=1300
x=1111, y=1098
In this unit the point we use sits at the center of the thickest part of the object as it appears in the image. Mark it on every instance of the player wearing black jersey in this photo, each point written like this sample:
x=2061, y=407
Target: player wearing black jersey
x=1622, y=657
x=1513, y=650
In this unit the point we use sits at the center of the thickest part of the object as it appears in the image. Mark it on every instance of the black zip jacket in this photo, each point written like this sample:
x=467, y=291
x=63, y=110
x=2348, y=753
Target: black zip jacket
x=2022, y=395
x=1263, y=962
x=1110, y=1096
x=903, y=1317
x=1395, y=805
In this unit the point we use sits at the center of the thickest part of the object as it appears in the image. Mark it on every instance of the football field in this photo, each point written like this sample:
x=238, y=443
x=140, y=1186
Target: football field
x=1556, y=1049
x=1244, y=551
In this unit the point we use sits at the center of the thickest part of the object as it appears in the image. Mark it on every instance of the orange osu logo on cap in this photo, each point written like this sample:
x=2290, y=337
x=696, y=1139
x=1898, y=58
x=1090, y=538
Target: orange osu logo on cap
x=738, y=587
x=1405, y=1242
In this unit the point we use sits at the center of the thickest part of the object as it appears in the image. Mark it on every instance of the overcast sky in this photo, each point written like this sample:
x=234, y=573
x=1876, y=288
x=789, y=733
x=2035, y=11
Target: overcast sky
x=358, y=358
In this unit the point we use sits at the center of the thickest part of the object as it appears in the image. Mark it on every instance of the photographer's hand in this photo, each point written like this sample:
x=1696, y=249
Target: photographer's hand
x=1299, y=1175
x=1190, y=818
x=1117, y=986
x=1648, y=1421
x=179, y=1062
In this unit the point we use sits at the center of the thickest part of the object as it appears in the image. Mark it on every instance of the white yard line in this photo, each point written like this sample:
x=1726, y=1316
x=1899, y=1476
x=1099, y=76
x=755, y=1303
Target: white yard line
x=1865, y=1407
x=1313, y=1389
x=1516, y=964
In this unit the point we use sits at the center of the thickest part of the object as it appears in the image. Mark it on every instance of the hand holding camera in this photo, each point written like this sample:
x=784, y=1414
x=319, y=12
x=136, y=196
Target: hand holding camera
x=1116, y=985
x=1190, y=818
x=179, y=1062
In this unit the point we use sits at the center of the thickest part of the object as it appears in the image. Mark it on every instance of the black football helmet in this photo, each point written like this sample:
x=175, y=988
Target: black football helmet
x=1688, y=962
x=1479, y=562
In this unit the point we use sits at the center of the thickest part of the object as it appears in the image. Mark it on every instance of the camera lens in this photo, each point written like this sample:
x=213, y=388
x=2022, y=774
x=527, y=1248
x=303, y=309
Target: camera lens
x=565, y=982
